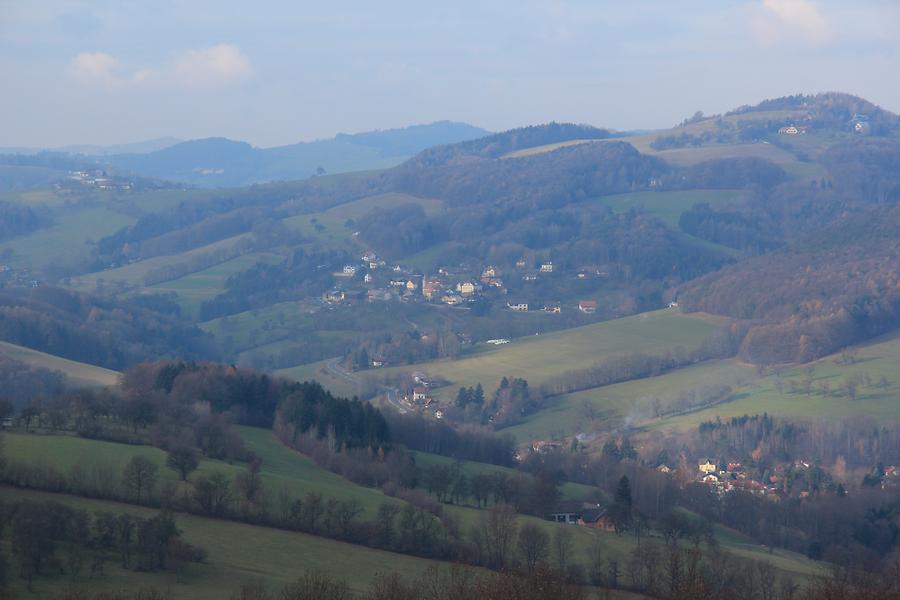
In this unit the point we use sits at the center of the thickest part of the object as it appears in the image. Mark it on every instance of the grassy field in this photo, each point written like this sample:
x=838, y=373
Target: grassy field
x=571, y=414
x=317, y=371
x=279, y=556
x=333, y=227
x=282, y=467
x=263, y=325
x=537, y=358
x=236, y=553
x=194, y=289
x=878, y=359
x=77, y=374
x=547, y=148
x=569, y=489
x=669, y=206
x=133, y=274
x=67, y=240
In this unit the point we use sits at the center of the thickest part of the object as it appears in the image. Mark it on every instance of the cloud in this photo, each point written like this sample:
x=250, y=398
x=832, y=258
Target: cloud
x=217, y=65
x=211, y=67
x=94, y=66
x=797, y=21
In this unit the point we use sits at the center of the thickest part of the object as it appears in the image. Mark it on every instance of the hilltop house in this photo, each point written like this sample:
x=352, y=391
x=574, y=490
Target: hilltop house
x=489, y=273
x=518, y=306
x=793, y=130
x=547, y=267
x=597, y=518
x=588, y=307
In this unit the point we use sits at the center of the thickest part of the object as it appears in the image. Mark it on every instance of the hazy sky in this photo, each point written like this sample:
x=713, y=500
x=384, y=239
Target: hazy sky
x=272, y=72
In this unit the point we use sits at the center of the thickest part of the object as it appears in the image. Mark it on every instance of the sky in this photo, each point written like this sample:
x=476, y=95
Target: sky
x=278, y=72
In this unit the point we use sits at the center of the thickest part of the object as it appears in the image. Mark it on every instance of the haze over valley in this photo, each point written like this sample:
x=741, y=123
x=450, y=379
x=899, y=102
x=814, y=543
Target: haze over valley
x=496, y=343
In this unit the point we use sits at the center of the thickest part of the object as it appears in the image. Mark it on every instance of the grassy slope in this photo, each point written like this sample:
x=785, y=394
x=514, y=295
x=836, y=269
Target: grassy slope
x=333, y=228
x=66, y=241
x=236, y=553
x=538, y=358
x=570, y=413
x=880, y=358
x=569, y=490
x=134, y=273
x=262, y=551
x=77, y=374
x=192, y=290
x=753, y=394
x=282, y=467
x=668, y=206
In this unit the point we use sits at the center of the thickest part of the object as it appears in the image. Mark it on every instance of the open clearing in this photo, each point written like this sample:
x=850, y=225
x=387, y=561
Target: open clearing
x=575, y=413
x=77, y=374
x=875, y=360
x=236, y=553
x=538, y=358
x=334, y=227
x=282, y=468
x=135, y=273
x=68, y=240
x=669, y=206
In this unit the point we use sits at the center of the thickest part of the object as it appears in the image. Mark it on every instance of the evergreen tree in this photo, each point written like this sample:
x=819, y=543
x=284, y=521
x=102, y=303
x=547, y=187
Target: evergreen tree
x=478, y=394
x=463, y=397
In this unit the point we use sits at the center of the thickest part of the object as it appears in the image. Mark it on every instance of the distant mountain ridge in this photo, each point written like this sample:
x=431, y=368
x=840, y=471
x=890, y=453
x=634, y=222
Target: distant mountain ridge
x=221, y=162
x=142, y=147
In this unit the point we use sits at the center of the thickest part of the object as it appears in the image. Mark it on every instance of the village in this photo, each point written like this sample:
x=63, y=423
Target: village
x=373, y=280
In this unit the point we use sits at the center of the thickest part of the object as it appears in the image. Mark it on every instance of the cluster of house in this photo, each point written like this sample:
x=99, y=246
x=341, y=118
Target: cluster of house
x=10, y=277
x=418, y=396
x=588, y=307
x=859, y=123
x=732, y=476
x=585, y=514
x=100, y=180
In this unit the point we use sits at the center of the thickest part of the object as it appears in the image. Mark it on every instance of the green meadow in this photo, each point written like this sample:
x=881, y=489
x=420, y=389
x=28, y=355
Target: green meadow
x=538, y=358
x=77, y=374
x=236, y=552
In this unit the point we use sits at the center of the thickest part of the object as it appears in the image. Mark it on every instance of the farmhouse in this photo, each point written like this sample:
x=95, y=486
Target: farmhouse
x=348, y=271
x=466, y=288
x=419, y=393
x=707, y=466
x=793, y=130
x=547, y=267
x=518, y=306
x=588, y=307
x=553, y=308
x=489, y=272
x=597, y=518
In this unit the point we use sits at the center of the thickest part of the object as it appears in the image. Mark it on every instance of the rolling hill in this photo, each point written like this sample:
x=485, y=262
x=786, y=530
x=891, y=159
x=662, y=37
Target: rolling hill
x=219, y=162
